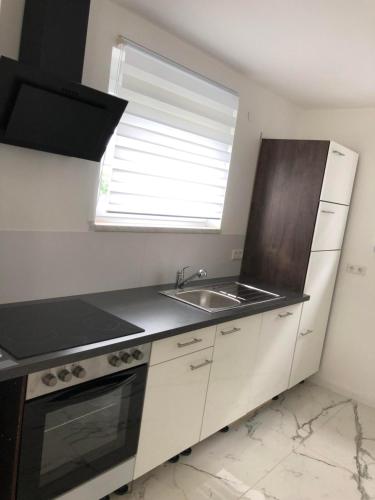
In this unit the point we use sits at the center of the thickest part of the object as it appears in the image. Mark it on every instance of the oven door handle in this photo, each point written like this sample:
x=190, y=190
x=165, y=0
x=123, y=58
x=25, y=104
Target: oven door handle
x=101, y=387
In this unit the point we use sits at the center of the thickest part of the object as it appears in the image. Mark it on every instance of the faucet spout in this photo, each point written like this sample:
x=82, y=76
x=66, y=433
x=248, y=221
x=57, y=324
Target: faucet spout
x=181, y=281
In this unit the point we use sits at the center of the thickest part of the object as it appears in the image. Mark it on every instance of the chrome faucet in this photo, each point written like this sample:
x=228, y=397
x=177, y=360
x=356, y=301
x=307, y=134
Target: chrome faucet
x=181, y=280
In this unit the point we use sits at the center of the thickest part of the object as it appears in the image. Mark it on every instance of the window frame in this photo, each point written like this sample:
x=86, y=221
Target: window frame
x=108, y=224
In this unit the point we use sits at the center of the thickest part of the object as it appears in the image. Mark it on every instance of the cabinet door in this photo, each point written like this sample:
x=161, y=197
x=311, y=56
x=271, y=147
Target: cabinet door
x=173, y=408
x=275, y=353
x=339, y=174
x=330, y=226
x=228, y=392
x=320, y=283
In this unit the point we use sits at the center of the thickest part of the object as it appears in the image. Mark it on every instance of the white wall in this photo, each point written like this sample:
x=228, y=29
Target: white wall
x=10, y=25
x=46, y=201
x=349, y=355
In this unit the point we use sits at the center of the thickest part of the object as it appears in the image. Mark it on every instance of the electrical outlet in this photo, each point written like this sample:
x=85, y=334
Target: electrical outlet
x=237, y=254
x=356, y=269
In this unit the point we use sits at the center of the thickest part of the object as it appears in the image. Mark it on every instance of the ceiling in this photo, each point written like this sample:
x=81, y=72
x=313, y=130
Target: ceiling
x=314, y=52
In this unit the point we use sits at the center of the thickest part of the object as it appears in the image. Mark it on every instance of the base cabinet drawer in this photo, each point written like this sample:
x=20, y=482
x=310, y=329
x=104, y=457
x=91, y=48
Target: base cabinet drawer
x=275, y=353
x=232, y=368
x=174, y=403
x=179, y=345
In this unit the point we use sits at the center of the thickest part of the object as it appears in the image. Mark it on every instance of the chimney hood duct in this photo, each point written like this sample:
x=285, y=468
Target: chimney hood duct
x=54, y=36
x=43, y=105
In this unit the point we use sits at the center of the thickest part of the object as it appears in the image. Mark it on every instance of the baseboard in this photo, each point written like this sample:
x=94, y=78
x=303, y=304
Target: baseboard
x=361, y=398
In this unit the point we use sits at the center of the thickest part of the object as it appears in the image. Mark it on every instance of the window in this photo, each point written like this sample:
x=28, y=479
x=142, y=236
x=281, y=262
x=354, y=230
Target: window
x=167, y=164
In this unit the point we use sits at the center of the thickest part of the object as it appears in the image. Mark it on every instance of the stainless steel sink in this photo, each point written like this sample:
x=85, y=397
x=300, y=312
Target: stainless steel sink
x=207, y=299
x=221, y=296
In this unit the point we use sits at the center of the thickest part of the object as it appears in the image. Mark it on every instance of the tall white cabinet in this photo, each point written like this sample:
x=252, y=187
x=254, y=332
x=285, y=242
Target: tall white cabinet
x=324, y=260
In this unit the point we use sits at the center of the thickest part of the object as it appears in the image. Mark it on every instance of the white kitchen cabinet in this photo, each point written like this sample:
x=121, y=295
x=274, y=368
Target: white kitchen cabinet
x=173, y=408
x=330, y=226
x=320, y=283
x=329, y=232
x=228, y=395
x=339, y=174
x=274, y=353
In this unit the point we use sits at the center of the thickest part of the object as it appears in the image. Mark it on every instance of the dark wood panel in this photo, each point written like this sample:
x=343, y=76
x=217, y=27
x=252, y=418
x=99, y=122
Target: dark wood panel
x=283, y=212
x=12, y=399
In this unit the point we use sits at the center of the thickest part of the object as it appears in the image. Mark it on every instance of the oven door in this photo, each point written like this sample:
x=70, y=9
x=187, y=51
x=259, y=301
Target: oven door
x=73, y=435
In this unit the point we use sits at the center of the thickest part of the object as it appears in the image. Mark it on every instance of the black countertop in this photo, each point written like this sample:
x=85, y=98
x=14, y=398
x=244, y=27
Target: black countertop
x=159, y=316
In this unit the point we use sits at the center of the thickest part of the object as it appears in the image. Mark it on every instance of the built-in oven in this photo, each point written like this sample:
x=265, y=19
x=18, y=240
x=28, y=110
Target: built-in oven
x=80, y=420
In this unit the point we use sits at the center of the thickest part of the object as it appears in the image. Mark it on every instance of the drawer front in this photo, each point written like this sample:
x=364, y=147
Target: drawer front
x=281, y=319
x=179, y=345
x=226, y=329
x=330, y=226
x=339, y=174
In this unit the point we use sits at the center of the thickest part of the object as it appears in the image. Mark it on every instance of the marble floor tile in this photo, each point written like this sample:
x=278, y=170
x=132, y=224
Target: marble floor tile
x=182, y=482
x=348, y=441
x=257, y=443
x=305, y=478
x=310, y=406
x=310, y=444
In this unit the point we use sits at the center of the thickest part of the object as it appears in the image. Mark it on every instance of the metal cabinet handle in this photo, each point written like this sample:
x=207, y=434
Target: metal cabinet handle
x=328, y=212
x=191, y=342
x=205, y=362
x=285, y=315
x=234, y=330
x=307, y=332
x=336, y=152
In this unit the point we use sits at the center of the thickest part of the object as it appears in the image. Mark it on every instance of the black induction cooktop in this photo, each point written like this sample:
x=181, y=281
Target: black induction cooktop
x=35, y=329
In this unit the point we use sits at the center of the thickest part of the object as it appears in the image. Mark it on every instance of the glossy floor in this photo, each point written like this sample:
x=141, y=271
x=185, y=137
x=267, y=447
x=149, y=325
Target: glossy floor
x=311, y=444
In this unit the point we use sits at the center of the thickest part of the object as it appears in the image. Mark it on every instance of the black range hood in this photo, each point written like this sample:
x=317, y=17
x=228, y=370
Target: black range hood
x=42, y=103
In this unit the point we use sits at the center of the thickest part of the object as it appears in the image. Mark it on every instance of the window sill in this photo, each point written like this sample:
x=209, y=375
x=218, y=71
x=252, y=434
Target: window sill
x=142, y=229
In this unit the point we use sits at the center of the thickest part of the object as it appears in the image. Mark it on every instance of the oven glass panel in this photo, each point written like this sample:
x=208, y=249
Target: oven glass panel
x=82, y=429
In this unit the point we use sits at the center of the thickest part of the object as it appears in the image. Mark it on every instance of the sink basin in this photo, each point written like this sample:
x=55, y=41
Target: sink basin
x=207, y=299
x=221, y=296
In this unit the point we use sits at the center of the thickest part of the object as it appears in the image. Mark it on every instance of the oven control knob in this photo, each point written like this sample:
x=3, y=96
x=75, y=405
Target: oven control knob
x=126, y=358
x=65, y=375
x=49, y=379
x=114, y=360
x=138, y=354
x=79, y=372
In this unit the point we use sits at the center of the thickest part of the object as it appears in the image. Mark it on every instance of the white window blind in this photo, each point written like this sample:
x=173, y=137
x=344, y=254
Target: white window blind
x=167, y=163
